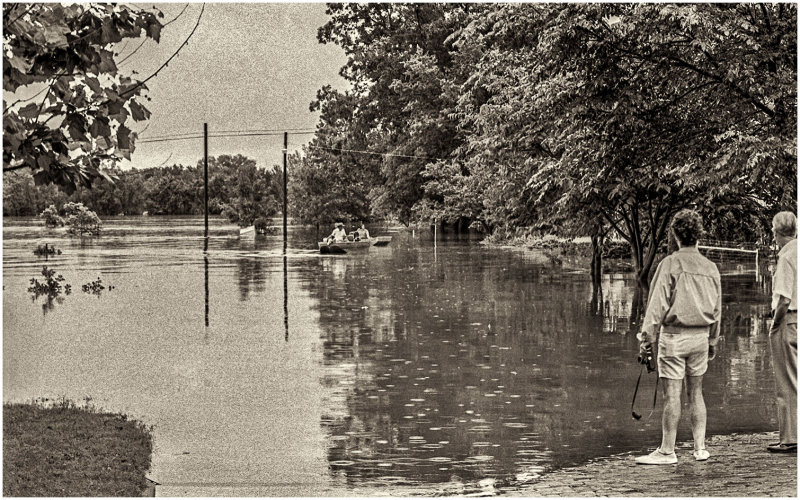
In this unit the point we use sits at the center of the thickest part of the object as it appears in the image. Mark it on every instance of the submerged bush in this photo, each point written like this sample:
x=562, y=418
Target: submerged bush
x=51, y=286
x=95, y=287
x=46, y=249
x=81, y=220
x=51, y=217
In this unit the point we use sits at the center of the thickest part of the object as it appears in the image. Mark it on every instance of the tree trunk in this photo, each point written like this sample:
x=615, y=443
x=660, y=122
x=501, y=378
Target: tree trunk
x=637, y=307
x=597, y=299
x=597, y=258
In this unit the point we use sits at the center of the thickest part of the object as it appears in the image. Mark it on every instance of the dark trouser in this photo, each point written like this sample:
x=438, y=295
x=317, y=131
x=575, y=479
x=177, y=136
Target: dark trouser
x=783, y=345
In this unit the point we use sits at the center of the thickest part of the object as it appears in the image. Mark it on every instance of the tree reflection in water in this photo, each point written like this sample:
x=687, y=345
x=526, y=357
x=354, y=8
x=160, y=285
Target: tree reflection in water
x=484, y=363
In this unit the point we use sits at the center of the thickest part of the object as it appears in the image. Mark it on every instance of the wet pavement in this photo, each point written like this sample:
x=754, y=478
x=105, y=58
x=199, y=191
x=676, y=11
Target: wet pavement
x=739, y=466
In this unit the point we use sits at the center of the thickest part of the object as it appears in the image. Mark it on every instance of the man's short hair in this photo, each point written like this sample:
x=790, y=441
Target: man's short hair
x=687, y=226
x=785, y=224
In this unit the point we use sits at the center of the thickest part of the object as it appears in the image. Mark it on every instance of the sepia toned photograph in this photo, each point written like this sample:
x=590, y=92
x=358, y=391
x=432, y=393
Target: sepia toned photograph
x=399, y=249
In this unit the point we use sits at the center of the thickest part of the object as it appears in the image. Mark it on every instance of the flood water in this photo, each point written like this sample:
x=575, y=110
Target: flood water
x=427, y=368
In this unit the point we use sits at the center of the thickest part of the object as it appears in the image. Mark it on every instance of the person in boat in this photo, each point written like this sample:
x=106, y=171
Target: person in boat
x=338, y=234
x=362, y=233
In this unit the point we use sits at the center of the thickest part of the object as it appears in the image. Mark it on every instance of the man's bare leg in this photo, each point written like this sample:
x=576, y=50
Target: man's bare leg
x=697, y=405
x=672, y=413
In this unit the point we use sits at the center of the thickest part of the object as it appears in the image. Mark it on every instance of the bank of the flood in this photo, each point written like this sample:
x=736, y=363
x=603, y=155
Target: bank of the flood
x=60, y=449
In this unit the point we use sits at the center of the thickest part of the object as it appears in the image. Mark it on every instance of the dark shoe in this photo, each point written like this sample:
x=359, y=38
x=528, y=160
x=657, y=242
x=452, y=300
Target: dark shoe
x=782, y=448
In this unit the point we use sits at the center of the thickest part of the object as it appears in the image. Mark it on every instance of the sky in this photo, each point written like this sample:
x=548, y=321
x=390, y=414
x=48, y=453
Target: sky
x=248, y=66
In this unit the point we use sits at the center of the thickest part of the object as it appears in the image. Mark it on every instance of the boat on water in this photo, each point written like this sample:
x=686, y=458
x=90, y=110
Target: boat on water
x=247, y=230
x=345, y=246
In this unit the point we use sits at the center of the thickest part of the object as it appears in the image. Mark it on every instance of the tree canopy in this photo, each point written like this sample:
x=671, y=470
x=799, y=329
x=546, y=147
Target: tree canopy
x=81, y=122
x=593, y=116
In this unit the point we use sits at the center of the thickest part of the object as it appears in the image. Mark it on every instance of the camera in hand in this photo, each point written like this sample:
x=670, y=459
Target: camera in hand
x=646, y=358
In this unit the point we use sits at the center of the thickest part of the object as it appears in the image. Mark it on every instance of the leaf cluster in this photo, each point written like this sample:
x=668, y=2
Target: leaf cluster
x=81, y=124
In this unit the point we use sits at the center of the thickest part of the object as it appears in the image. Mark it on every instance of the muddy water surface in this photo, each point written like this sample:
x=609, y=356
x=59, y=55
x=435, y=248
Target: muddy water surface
x=423, y=368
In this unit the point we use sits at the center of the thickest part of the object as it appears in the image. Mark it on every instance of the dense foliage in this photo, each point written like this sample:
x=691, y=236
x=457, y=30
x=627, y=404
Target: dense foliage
x=81, y=123
x=571, y=118
x=237, y=188
x=80, y=220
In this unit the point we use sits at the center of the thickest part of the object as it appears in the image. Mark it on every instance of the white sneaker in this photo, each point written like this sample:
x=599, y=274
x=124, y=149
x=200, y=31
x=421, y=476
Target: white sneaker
x=657, y=458
x=701, y=455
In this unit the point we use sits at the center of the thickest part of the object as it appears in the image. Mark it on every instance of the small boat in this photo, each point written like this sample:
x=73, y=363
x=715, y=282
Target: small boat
x=345, y=246
x=246, y=230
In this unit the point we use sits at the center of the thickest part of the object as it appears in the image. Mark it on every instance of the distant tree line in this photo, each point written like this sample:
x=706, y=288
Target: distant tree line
x=566, y=118
x=238, y=189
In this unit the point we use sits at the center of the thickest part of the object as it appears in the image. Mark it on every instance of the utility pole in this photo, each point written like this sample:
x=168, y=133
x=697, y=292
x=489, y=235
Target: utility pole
x=205, y=181
x=285, y=270
x=285, y=191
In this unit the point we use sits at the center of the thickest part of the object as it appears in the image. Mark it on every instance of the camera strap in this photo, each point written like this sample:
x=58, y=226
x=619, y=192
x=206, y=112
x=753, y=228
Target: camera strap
x=635, y=415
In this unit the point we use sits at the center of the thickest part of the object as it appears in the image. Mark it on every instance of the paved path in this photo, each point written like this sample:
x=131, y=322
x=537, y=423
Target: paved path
x=739, y=466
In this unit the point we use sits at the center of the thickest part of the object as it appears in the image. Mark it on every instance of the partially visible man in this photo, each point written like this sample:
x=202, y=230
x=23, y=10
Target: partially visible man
x=783, y=333
x=338, y=234
x=683, y=312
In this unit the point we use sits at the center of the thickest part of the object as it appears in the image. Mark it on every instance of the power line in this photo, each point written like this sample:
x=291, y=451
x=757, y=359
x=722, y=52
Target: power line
x=144, y=141
x=371, y=152
x=119, y=64
x=265, y=130
x=185, y=42
x=217, y=135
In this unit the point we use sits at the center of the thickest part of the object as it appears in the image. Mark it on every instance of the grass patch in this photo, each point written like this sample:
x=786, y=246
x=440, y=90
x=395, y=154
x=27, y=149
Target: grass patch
x=62, y=449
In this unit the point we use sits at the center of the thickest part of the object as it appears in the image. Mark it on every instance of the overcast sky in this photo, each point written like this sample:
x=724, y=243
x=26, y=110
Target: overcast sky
x=248, y=66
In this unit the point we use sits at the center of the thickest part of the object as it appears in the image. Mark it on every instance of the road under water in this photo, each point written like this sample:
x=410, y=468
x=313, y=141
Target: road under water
x=424, y=367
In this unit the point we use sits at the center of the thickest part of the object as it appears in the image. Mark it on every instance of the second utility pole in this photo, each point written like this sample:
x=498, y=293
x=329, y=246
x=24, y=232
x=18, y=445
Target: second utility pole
x=205, y=181
x=285, y=192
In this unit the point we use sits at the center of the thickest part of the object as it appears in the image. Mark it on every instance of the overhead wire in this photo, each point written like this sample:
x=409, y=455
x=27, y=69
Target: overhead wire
x=377, y=153
x=185, y=42
x=273, y=132
x=146, y=38
x=189, y=135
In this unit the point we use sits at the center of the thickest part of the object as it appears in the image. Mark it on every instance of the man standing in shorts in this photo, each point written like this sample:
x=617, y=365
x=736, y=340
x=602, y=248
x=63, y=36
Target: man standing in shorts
x=783, y=333
x=683, y=312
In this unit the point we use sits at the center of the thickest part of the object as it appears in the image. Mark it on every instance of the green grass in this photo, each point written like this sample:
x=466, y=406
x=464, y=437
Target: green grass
x=61, y=449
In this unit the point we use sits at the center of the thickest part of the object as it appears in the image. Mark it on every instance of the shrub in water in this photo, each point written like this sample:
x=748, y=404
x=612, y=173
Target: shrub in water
x=81, y=220
x=46, y=249
x=51, y=286
x=51, y=217
x=95, y=287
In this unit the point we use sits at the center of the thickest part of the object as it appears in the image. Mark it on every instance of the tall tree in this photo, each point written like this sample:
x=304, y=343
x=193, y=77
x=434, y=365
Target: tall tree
x=635, y=111
x=242, y=190
x=404, y=82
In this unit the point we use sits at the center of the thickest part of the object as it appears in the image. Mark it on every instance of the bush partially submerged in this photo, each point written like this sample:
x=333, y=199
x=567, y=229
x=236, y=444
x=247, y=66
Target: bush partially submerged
x=51, y=217
x=80, y=220
x=77, y=217
x=46, y=249
x=51, y=286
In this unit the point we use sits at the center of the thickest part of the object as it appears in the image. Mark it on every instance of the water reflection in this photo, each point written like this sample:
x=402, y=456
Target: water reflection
x=436, y=363
x=468, y=364
x=205, y=270
x=285, y=295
